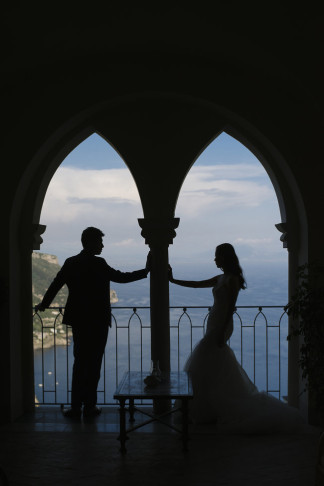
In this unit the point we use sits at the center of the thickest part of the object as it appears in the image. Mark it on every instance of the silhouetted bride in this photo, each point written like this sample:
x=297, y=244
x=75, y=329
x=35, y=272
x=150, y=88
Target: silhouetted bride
x=223, y=392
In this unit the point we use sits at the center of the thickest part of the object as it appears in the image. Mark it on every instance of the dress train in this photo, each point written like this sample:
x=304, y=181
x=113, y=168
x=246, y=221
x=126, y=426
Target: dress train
x=223, y=392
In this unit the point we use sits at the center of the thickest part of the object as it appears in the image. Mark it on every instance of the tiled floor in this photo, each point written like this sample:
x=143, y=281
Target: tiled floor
x=44, y=448
x=51, y=419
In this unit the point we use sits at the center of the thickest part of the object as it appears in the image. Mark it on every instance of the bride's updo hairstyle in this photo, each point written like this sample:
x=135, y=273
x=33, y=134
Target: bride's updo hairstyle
x=231, y=262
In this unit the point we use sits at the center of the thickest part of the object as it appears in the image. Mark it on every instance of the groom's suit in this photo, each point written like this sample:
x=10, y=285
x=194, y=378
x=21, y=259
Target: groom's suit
x=88, y=311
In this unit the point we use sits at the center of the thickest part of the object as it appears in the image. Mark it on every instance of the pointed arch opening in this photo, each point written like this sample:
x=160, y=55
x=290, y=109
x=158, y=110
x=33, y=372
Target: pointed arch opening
x=92, y=186
x=228, y=196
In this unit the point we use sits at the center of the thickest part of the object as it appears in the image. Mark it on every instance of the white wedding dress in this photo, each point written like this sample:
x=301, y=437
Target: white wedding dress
x=223, y=392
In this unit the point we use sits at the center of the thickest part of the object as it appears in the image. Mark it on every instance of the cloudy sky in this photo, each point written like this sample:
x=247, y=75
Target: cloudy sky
x=227, y=196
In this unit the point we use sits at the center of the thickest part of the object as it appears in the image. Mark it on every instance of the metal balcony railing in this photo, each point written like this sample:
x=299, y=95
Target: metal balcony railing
x=259, y=342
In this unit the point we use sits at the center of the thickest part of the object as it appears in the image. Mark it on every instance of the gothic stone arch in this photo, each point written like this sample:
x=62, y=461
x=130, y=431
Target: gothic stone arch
x=159, y=137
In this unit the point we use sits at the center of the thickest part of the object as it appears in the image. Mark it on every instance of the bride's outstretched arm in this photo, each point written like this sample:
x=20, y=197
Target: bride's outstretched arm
x=211, y=282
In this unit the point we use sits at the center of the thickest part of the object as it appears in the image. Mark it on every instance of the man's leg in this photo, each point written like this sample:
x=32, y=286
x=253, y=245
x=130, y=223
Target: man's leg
x=79, y=368
x=95, y=351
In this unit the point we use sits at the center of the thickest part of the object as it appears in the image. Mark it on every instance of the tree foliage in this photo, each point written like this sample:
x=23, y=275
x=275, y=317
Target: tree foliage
x=307, y=306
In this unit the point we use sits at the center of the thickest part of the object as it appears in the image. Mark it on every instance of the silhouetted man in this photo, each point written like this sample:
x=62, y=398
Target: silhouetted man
x=88, y=311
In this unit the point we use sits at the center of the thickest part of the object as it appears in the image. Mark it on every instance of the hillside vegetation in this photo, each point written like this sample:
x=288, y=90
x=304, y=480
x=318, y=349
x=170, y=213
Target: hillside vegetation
x=45, y=268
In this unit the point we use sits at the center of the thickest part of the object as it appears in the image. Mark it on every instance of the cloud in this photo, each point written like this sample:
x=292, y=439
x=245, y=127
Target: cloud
x=94, y=184
x=228, y=171
x=76, y=193
x=266, y=249
x=254, y=241
x=203, y=189
x=128, y=242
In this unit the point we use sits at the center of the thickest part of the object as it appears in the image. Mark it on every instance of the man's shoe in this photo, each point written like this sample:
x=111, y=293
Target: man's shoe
x=91, y=411
x=73, y=413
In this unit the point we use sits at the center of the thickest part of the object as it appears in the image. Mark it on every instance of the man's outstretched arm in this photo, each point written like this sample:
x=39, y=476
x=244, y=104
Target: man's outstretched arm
x=125, y=277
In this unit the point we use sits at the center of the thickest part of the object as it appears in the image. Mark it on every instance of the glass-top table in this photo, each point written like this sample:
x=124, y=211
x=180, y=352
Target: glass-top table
x=174, y=385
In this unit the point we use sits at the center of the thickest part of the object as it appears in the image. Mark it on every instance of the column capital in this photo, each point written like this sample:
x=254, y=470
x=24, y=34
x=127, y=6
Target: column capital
x=283, y=228
x=37, y=231
x=158, y=231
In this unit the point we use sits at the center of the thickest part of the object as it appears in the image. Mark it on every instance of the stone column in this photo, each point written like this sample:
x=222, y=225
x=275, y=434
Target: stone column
x=293, y=344
x=27, y=352
x=294, y=378
x=159, y=234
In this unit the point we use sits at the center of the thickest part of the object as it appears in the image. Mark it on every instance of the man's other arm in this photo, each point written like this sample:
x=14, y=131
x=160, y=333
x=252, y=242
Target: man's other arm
x=52, y=290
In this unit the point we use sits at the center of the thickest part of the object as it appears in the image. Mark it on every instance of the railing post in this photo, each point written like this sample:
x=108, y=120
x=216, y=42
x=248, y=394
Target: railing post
x=158, y=235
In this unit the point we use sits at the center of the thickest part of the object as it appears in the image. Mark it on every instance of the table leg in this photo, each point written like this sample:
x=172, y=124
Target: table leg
x=184, y=409
x=131, y=410
x=122, y=425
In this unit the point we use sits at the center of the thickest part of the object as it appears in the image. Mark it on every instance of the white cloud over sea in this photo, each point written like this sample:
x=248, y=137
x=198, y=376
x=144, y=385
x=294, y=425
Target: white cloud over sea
x=221, y=187
x=75, y=193
x=229, y=202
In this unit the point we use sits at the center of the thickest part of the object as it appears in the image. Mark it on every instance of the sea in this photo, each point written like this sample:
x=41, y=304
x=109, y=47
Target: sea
x=259, y=339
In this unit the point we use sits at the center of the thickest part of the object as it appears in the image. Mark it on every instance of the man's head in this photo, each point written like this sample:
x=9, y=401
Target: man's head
x=91, y=240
